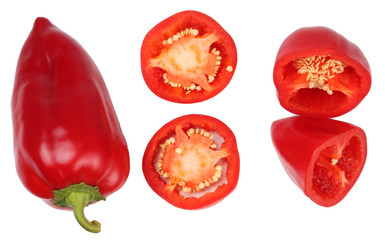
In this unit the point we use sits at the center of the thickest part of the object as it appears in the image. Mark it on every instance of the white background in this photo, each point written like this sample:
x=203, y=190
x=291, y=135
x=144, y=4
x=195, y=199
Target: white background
x=266, y=204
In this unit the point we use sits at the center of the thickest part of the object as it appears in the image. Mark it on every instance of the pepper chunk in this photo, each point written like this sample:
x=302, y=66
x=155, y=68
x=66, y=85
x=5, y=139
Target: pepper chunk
x=192, y=162
x=188, y=58
x=323, y=157
x=320, y=73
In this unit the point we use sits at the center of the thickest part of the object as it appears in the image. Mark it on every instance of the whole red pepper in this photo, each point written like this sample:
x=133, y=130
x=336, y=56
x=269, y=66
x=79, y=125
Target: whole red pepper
x=69, y=148
x=324, y=157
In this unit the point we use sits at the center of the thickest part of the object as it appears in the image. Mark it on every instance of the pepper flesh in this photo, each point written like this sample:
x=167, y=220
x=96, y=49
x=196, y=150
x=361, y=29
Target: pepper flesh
x=66, y=131
x=323, y=157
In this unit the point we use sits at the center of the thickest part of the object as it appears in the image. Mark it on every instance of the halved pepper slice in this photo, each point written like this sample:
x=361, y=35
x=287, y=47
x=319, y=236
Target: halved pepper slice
x=319, y=73
x=188, y=58
x=192, y=162
x=324, y=157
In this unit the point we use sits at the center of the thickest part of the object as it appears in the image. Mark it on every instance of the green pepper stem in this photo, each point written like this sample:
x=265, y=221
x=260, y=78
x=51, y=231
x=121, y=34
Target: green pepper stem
x=77, y=201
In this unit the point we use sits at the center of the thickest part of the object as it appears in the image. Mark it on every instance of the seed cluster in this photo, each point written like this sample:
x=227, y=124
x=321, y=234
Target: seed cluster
x=192, y=87
x=319, y=70
x=198, y=187
x=212, y=76
x=203, y=184
x=181, y=34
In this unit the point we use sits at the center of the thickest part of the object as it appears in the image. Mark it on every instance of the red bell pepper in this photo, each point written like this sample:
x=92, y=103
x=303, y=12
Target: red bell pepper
x=188, y=58
x=319, y=73
x=324, y=157
x=69, y=148
x=192, y=161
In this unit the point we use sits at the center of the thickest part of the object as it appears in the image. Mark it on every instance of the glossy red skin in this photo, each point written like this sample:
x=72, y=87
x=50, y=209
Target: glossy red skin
x=158, y=185
x=65, y=127
x=315, y=41
x=152, y=45
x=299, y=141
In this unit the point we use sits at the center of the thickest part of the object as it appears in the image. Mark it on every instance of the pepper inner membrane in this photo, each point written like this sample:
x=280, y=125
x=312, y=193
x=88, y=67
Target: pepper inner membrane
x=332, y=171
x=189, y=61
x=192, y=162
x=322, y=83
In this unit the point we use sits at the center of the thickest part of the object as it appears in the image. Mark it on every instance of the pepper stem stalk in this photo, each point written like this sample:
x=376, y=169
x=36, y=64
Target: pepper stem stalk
x=77, y=197
x=77, y=201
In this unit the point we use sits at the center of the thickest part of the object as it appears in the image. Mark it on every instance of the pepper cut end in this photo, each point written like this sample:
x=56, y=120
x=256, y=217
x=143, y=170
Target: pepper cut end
x=334, y=172
x=318, y=85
